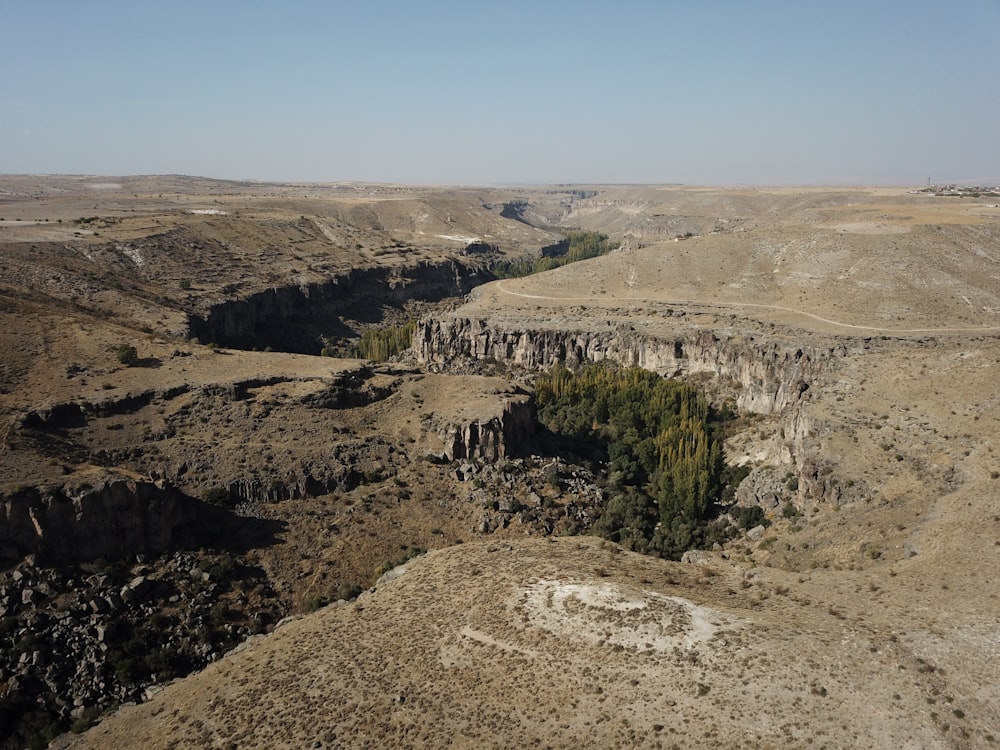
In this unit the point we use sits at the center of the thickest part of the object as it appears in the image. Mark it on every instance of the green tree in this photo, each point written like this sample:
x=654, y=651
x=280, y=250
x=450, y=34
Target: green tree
x=664, y=447
x=126, y=354
x=383, y=343
x=577, y=246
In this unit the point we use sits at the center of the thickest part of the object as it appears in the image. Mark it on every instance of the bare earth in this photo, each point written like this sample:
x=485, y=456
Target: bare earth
x=563, y=643
x=869, y=620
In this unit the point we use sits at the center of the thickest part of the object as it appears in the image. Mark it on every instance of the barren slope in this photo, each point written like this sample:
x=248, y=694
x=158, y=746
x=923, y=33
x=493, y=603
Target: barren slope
x=571, y=643
x=864, y=616
x=919, y=265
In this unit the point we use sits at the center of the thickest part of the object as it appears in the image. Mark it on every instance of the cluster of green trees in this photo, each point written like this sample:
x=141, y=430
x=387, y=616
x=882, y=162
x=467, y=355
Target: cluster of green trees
x=663, y=440
x=576, y=246
x=382, y=343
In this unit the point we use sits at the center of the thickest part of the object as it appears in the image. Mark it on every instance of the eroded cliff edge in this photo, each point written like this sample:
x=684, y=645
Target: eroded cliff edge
x=764, y=376
x=770, y=377
x=115, y=518
x=292, y=317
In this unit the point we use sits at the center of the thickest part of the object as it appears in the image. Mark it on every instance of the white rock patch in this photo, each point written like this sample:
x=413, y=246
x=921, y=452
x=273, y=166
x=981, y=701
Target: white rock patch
x=617, y=615
x=134, y=255
x=458, y=238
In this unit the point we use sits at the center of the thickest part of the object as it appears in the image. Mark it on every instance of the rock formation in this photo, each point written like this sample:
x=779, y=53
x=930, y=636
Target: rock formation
x=115, y=518
x=282, y=317
x=770, y=377
x=489, y=440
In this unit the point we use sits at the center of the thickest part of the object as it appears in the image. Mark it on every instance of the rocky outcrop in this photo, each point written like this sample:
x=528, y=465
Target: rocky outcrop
x=71, y=414
x=766, y=488
x=502, y=436
x=79, y=640
x=91, y=620
x=337, y=475
x=349, y=390
x=770, y=377
x=116, y=518
x=287, y=318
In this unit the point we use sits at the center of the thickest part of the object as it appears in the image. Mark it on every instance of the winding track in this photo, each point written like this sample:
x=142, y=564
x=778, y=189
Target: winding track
x=777, y=308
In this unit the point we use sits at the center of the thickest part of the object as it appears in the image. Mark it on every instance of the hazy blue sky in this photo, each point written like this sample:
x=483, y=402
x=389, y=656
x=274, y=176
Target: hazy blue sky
x=710, y=92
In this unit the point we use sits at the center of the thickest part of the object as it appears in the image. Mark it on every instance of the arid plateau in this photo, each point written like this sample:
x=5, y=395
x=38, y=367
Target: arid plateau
x=227, y=524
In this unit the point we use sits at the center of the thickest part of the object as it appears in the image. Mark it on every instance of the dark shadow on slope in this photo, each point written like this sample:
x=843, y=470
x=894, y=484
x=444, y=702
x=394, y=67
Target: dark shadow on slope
x=118, y=519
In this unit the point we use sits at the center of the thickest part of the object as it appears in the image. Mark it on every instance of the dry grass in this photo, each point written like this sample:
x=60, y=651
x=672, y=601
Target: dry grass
x=438, y=657
x=869, y=621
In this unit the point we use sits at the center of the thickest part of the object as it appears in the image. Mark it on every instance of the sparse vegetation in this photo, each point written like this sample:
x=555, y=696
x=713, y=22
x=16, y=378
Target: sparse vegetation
x=748, y=518
x=217, y=496
x=409, y=554
x=342, y=592
x=253, y=422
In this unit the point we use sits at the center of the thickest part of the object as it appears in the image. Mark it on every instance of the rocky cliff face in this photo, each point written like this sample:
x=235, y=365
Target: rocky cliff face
x=86, y=626
x=114, y=519
x=503, y=436
x=770, y=378
x=286, y=318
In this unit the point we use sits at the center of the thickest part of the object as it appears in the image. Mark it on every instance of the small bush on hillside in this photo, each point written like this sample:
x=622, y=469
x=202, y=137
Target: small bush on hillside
x=126, y=354
x=347, y=591
x=748, y=518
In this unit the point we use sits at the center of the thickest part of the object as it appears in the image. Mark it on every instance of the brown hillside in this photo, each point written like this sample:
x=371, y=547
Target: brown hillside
x=861, y=325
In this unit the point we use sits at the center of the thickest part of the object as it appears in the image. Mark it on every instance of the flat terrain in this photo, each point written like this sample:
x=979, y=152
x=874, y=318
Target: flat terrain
x=866, y=616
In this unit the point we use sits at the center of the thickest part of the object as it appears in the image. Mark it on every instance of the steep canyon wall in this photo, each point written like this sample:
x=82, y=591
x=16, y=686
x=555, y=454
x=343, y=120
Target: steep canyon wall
x=503, y=436
x=286, y=318
x=768, y=377
x=113, y=519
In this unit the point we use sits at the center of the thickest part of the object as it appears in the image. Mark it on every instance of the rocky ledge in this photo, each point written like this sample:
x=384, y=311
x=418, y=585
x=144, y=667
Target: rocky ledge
x=507, y=434
x=770, y=377
x=113, y=518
